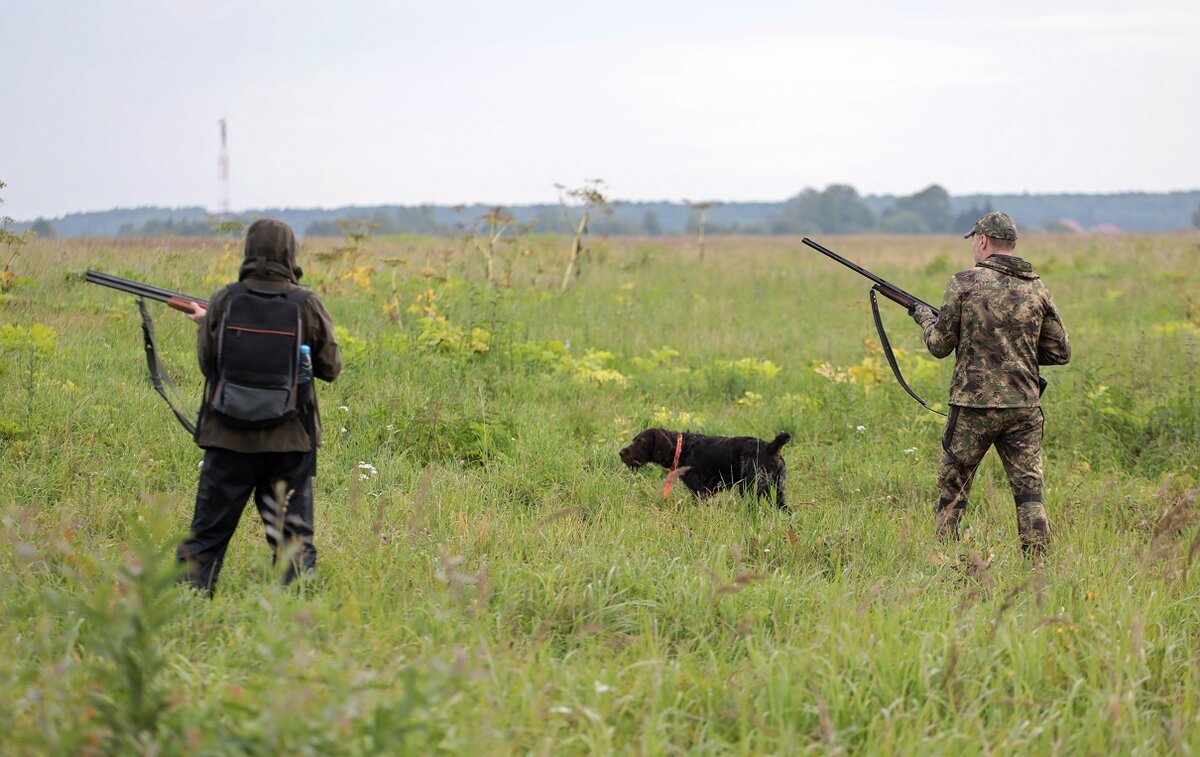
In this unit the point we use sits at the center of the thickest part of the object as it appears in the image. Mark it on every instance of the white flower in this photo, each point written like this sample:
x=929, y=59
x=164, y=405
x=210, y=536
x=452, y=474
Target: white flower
x=366, y=470
x=910, y=450
x=560, y=710
x=860, y=429
x=391, y=427
x=343, y=429
x=602, y=688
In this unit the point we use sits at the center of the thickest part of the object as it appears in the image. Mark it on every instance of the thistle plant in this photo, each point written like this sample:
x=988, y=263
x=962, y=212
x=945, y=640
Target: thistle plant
x=589, y=198
x=699, y=213
x=497, y=221
x=124, y=614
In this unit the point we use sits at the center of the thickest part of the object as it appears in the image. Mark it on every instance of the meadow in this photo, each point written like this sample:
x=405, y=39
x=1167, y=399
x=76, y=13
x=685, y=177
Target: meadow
x=492, y=580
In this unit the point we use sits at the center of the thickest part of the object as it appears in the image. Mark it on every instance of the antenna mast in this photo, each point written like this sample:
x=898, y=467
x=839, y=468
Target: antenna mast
x=223, y=171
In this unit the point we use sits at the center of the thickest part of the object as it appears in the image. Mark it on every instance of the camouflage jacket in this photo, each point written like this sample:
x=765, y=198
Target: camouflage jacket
x=269, y=266
x=1000, y=321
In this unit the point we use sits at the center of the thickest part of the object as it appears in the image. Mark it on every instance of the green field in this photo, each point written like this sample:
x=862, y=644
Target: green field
x=493, y=580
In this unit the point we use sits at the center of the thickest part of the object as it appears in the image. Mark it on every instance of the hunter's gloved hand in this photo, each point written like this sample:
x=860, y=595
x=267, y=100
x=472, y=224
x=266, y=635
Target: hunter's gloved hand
x=921, y=314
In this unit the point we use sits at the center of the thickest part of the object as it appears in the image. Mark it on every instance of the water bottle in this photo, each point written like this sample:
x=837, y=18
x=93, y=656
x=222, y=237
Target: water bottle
x=304, y=377
x=305, y=364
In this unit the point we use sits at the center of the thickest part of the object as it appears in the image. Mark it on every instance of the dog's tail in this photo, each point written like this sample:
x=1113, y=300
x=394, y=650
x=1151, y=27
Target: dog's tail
x=774, y=447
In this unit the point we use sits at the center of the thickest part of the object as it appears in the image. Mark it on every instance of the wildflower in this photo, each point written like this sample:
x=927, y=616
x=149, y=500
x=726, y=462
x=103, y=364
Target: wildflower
x=749, y=367
x=602, y=688
x=560, y=710
x=860, y=429
x=866, y=373
x=910, y=450
x=827, y=370
x=366, y=470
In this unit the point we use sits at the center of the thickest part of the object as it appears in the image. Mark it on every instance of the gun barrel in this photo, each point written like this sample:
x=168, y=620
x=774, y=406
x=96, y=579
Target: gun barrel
x=884, y=286
x=137, y=288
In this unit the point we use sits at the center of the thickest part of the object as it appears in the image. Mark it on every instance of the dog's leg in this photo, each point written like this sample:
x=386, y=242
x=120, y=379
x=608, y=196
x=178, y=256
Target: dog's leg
x=780, y=482
x=763, y=488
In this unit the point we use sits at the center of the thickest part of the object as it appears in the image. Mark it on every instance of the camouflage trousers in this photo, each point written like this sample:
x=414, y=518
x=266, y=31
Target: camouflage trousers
x=1017, y=435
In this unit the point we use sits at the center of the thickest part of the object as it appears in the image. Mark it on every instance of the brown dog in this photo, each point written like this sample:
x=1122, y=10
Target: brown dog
x=715, y=463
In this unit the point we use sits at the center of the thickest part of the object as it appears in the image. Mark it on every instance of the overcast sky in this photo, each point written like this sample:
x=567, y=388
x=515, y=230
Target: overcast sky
x=115, y=104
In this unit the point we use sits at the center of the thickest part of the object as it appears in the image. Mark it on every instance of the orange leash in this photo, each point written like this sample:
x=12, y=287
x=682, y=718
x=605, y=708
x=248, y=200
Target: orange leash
x=674, y=465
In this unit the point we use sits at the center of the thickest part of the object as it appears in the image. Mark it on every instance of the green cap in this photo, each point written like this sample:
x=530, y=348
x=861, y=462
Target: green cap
x=996, y=225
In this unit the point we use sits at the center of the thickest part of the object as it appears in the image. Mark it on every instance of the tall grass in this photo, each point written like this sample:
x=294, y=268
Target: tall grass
x=492, y=578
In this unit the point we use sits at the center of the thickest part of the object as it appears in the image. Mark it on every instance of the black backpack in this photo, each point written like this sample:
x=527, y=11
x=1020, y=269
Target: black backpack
x=258, y=357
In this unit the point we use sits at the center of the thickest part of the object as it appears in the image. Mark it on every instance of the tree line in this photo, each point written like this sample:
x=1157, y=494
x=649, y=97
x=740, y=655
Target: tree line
x=836, y=209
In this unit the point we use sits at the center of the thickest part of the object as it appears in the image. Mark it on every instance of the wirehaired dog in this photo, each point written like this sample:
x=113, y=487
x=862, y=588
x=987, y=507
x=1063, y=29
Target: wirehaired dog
x=709, y=464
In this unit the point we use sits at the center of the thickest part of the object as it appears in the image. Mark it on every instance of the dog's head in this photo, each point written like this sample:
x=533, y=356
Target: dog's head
x=654, y=445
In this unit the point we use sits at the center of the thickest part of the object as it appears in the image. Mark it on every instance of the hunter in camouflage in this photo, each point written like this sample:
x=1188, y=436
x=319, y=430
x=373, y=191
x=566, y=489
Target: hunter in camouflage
x=1000, y=320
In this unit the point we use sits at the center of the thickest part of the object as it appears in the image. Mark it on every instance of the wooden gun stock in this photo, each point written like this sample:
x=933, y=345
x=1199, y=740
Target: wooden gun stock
x=182, y=304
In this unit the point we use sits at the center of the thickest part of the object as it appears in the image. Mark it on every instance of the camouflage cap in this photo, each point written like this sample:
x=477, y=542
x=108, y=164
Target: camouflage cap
x=996, y=225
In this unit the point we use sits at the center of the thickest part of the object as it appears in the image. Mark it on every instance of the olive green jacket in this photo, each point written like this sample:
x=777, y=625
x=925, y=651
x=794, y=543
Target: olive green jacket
x=269, y=266
x=1000, y=321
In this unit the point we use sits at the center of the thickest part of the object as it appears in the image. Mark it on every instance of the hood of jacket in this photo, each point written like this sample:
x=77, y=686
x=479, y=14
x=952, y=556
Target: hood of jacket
x=270, y=253
x=1009, y=264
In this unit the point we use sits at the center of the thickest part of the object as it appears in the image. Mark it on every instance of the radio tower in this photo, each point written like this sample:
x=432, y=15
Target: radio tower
x=223, y=171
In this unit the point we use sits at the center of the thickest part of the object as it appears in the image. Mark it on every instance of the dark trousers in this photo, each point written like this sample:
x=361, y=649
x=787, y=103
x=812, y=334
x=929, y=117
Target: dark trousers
x=226, y=480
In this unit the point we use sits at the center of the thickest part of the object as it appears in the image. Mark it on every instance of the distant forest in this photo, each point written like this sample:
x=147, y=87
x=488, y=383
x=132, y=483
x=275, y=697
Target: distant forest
x=837, y=209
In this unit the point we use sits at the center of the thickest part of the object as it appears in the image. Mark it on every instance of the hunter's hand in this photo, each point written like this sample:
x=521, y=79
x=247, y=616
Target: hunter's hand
x=921, y=314
x=198, y=312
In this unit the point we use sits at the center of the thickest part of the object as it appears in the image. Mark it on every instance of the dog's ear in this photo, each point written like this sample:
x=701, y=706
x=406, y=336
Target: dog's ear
x=664, y=447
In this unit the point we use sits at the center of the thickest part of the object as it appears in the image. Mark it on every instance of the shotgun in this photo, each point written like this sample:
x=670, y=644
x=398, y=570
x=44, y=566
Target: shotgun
x=176, y=300
x=900, y=297
x=887, y=289
x=896, y=295
x=159, y=378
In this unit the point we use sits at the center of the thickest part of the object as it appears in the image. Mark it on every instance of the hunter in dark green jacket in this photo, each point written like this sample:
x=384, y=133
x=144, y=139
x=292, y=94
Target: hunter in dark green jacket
x=276, y=463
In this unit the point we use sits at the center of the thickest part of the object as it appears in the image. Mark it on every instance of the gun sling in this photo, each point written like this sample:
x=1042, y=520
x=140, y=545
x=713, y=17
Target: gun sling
x=891, y=357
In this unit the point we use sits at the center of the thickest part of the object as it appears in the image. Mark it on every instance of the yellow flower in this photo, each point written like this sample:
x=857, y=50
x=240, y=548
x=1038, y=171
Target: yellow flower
x=751, y=399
